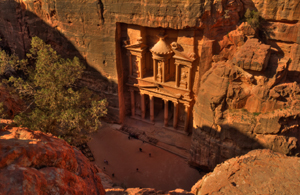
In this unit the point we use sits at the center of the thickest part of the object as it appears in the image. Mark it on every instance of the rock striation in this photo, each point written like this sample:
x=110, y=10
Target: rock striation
x=257, y=172
x=32, y=162
x=249, y=99
x=237, y=111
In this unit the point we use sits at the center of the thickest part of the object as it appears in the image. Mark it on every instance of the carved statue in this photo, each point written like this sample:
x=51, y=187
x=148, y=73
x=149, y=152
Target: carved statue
x=135, y=66
x=159, y=71
x=183, y=79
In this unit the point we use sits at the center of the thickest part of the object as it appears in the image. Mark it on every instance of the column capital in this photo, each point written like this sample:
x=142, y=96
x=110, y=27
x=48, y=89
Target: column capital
x=186, y=105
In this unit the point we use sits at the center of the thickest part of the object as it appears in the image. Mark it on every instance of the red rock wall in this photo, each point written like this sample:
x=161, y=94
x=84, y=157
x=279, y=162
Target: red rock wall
x=236, y=110
x=87, y=29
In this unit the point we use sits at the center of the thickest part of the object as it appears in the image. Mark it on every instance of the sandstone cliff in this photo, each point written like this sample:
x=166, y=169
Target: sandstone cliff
x=245, y=90
x=32, y=162
x=88, y=30
x=249, y=98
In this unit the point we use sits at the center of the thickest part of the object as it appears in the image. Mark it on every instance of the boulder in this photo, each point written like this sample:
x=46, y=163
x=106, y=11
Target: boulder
x=32, y=162
x=253, y=55
x=257, y=172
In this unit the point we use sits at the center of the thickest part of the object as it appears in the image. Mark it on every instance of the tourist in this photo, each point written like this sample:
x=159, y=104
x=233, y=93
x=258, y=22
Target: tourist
x=137, y=169
x=141, y=149
x=113, y=175
x=149, y=154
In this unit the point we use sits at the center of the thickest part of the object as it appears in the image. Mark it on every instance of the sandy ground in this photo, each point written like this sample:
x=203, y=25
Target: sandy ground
x=163, y=170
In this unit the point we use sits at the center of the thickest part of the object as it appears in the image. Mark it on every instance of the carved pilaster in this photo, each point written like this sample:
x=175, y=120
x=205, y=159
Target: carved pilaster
x=177, y=75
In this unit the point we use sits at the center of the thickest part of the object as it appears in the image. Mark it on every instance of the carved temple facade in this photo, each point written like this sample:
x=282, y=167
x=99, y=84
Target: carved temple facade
x=159, y=68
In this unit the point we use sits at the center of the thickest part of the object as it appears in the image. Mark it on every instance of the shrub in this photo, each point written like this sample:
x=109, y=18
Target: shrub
x=253, y=18
x=256, y=113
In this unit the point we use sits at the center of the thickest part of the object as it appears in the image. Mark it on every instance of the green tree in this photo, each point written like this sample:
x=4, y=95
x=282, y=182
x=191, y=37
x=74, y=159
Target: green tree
x=253, y=18
x=46, y=82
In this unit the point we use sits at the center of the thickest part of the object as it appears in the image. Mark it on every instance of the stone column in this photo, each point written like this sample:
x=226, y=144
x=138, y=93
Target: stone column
x=154, y=70
x=132, y=103
x=139, y=59
x=151, y=108
x=130, y=64
x=187, y=118
x=143, y=106
x=166, y=112
x=177, y=76
x=175, y=115
x=163, y=79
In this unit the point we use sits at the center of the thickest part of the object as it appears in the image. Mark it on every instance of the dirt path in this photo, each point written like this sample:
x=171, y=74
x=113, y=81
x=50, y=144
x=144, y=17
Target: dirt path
x=163, y=170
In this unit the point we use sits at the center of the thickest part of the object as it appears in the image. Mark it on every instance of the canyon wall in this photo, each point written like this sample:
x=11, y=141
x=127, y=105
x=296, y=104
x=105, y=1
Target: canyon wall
x=88, y=29
x=249, y=98
x=246, y=92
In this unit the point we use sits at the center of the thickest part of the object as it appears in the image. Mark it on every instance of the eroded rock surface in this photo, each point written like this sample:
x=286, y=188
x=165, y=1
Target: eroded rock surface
x=237, y=111
x=145, y=191
x=249, y=97
x=252, y=56
x=258, y=172
x=32, y=162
